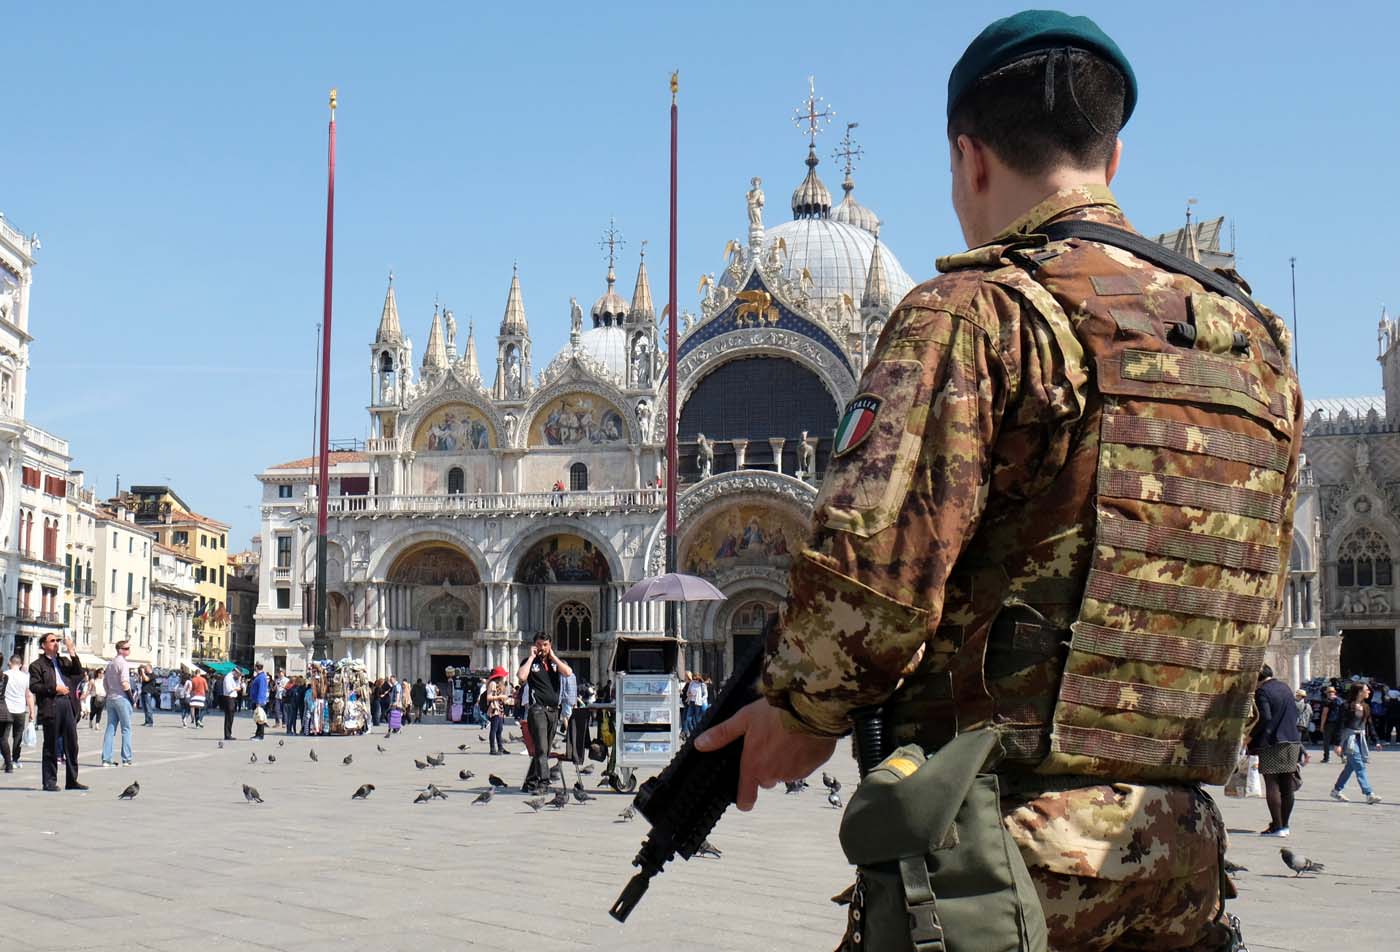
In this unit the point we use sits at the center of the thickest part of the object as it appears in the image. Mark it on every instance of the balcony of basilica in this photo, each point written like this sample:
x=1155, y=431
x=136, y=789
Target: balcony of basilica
x=547, y=503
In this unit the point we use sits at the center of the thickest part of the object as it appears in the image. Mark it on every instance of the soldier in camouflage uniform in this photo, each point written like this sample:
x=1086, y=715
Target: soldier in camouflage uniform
x=1061, y=505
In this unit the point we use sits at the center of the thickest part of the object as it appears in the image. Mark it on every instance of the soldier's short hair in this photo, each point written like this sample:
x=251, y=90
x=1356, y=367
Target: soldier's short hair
x=1036, y=115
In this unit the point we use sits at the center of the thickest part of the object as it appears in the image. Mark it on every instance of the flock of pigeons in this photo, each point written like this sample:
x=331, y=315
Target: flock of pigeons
x=833, y=788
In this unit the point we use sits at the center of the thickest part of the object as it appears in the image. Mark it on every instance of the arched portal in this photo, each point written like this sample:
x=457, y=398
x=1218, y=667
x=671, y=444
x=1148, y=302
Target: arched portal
x=434, y=605
x=573, y=637
x=562, y=581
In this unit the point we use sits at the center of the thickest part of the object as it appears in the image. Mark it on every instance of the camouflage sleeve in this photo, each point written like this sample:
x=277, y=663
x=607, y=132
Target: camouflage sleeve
x=904, y=491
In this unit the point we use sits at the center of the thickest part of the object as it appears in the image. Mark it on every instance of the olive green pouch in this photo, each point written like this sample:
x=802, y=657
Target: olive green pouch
x=936, y=869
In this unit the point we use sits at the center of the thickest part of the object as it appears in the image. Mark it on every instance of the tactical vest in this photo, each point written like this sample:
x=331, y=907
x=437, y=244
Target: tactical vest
x=1185, y=465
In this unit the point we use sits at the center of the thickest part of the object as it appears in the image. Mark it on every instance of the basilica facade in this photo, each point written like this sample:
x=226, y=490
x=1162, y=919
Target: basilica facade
x=486, y=507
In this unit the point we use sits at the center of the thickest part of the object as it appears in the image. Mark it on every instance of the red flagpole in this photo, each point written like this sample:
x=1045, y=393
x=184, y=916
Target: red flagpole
x=672, y=411
x=320, y=646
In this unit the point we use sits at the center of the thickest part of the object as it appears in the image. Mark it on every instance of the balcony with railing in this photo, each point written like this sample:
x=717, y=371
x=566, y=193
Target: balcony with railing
x=391, y=444
x=591, y=501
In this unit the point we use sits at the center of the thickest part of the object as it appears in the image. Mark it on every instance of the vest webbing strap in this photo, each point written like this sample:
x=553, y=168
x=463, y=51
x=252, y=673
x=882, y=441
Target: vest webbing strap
x=1149, y=700
x=1191, y=492
x=1165, y=649
x=1160, y=255
x=1179, y=599
x=1156, y=751
x=1190, y=438
x=1191, y=546
x=1190, y=369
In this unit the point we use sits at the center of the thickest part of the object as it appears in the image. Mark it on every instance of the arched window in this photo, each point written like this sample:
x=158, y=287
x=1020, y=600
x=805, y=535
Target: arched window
x=386, y=363
x=1364, y=561
x=578, y=478
x=573, y=628
x=456, y=481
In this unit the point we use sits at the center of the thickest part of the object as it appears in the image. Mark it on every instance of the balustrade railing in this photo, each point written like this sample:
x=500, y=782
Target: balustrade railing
x=590, y=501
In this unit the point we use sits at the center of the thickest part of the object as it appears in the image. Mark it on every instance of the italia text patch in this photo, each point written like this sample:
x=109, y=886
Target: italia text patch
x=857, y=422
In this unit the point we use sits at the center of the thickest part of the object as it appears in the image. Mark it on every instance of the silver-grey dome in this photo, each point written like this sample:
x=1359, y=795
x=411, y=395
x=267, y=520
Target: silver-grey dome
x=837, y=255
x=608, y=346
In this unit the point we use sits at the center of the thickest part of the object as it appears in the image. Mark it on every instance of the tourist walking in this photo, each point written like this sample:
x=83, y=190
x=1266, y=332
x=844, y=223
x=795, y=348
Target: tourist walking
x=233, y=689
x=257, y=697
x=184, y=701
x=419, y=694
x=150, y=689
x=199, y=693
x=116, y=679
x=1330, y=720
x=53, y=680
x=1352, y=743
x=16, y=709
x=1277, y=743
x=497, y=693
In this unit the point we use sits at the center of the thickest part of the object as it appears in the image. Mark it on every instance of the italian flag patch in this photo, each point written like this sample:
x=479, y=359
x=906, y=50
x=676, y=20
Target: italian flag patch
x=856, y=423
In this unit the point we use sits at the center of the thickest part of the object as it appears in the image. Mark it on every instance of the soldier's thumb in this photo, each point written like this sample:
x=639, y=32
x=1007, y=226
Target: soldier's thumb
x=722, y=734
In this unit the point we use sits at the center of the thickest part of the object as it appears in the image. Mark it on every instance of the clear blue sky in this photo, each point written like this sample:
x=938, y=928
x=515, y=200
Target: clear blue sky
x=172, y=158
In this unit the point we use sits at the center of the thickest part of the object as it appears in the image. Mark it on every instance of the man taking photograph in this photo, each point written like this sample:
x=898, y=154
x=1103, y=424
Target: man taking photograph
x=51, y=678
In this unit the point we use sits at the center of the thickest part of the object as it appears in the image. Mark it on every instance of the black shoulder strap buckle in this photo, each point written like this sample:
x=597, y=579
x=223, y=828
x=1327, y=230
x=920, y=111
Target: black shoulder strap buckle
x=1160, y=255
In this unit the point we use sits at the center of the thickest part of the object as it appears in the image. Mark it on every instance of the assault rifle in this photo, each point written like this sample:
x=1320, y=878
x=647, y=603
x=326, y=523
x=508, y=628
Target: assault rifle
x=686, y=800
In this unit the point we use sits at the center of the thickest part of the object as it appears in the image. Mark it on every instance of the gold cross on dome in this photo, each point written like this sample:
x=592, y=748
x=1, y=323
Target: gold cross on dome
x=612, y=240
x=848, y=151
x=815, y=113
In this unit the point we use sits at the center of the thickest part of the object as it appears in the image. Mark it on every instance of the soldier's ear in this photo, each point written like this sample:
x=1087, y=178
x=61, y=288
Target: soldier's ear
x=1113, y=160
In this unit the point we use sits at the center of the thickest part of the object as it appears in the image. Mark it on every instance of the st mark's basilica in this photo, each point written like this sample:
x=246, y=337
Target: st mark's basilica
x=490, y=505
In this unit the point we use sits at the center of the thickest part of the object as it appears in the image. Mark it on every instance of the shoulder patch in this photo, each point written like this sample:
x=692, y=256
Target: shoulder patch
x=857, y=422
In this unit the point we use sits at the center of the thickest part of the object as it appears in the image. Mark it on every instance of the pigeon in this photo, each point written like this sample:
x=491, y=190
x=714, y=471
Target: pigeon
x=585, y=771
x=422, y=797
x=463, y=748
x=272, y=758
x=582, y=797
x=484, y=797
x=251, y=794
x=365, y=789
x=1235, y=867
x=221, y=745
x=827, y=779
x=419, y=764
x=465, y=775
x=535, y=804
x=629, y=814
x=314, y=757
x=435, y=793
x=130, y=792
x=560, y=798
x=707, y=849
x=514, y=739
x=834, y=799
x=481, y=737
x=794, y=786
x=832, y=783
x=349, y=759
x=1298, y=863
x=281, y=743
x=437, y=761
x=556, y=774
x=252, y=758
x=495, y=781
x=380, y=748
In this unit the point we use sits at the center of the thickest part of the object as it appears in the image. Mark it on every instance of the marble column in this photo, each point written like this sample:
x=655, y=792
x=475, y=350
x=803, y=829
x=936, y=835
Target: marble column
x=741, y=449
x=777, y=443
x=1297, y=668
x=1307, y=665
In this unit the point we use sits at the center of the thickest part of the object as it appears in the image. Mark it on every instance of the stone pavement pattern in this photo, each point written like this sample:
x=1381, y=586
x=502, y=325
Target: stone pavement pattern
x=190, y=865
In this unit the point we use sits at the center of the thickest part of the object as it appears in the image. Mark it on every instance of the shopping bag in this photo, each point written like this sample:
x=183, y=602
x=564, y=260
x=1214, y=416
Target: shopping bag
x=259, y=715
x=31, y=736
x=1236, y=785
x=1254, y=784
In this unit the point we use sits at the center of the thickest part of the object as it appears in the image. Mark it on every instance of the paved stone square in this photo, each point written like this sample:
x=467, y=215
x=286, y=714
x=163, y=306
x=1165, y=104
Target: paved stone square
x=190, y=865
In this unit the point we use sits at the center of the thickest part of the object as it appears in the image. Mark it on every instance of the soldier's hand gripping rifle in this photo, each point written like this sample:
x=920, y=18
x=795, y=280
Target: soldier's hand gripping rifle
x=686, y=800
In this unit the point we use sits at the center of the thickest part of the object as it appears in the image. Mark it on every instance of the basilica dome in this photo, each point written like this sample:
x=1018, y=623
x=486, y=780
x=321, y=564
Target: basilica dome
x=607, y=345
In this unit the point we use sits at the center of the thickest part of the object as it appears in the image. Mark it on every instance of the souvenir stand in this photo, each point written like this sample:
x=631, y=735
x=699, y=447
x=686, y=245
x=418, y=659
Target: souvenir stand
x=646, y=703
x=344, y=696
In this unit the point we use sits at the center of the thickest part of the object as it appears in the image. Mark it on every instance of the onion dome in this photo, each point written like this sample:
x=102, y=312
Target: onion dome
x=852, y=212
x=389, y=330
x=811, y=199
x=610, y=309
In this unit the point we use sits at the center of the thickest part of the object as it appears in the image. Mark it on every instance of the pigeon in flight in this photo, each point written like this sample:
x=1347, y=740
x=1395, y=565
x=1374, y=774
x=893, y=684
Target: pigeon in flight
x=130, y=792
x=423, y=797
x=313, y=755
x=363, y=792
x=465, y=775
x=380, y=748
x=1299, y=863
x=349, y=759
x=495, y=781
x=419, y=764
x=834, y=799
x=535, y=804
x=252, y=758
x=629, y=814
x=560, y=798
x=435, y=793
x=251, y=794
x=706, y=848
x=583, y=797
x=484, y=797
x=794, y=786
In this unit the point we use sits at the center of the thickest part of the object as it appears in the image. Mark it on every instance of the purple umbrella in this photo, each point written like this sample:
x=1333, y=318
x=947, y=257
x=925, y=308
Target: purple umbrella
x=673, y=587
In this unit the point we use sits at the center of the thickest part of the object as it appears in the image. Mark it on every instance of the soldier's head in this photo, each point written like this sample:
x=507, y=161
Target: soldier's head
x=1034, y=104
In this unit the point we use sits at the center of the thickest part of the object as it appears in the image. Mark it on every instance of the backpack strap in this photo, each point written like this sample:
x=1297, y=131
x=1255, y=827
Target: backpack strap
x=1160, y=255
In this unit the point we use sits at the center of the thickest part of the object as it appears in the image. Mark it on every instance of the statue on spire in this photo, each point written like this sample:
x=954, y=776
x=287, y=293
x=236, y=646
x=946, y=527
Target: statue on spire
x=755, y=202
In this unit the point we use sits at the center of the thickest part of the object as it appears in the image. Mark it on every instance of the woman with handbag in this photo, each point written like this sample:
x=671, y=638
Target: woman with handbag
x=1278, y=744
x=1352, y=745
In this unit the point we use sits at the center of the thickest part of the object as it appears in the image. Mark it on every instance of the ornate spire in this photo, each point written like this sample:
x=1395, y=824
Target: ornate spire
x=389, y=330
x=811, y=199
x=610, y=309
x=642, y=310
x=513, y=323
x=435, y=356
x=473, y=368
x=850, y=211
x=876, y=296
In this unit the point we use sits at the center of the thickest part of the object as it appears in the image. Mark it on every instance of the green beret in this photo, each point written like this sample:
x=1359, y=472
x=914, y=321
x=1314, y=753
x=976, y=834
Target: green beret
x=1036, y=31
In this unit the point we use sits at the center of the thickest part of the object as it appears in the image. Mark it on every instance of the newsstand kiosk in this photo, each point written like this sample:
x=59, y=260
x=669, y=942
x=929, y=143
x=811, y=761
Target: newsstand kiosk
x=646, y=699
